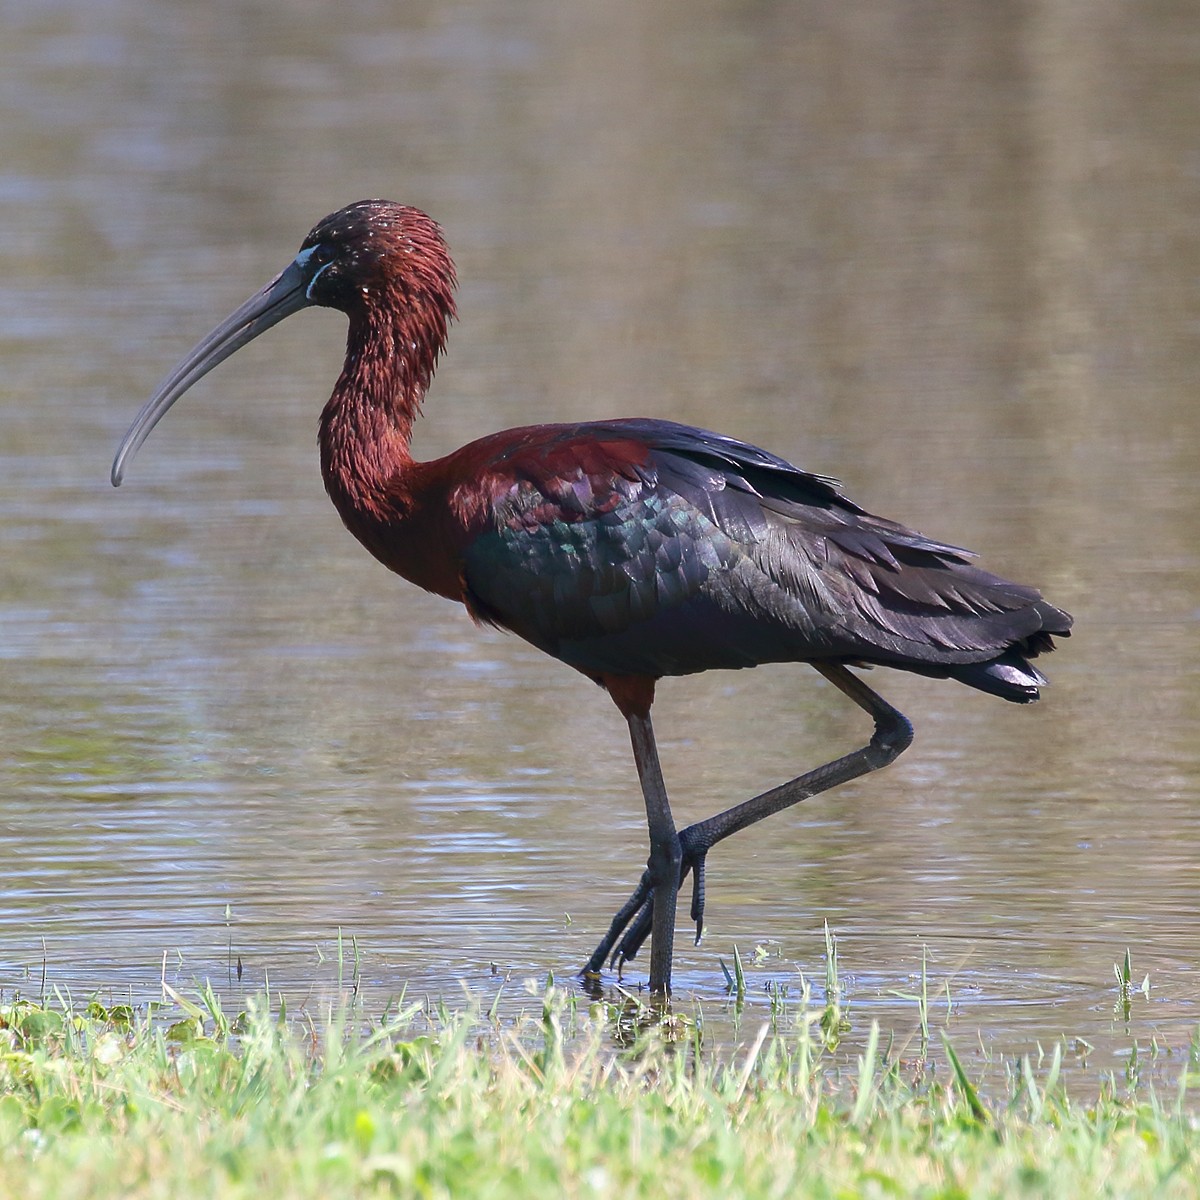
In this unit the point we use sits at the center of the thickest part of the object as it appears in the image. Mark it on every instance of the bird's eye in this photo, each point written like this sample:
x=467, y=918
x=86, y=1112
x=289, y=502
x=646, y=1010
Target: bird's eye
x=315, y=262
x=313, y=257
x=331, y=279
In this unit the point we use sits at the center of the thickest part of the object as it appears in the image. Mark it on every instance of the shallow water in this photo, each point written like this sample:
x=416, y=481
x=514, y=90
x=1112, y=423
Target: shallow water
x=945, y=254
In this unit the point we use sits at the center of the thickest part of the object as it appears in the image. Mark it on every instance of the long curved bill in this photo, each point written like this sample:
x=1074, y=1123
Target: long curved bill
x=284, y=295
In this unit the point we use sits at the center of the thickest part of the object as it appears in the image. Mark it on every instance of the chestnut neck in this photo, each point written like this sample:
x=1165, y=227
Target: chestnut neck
x=366, y=427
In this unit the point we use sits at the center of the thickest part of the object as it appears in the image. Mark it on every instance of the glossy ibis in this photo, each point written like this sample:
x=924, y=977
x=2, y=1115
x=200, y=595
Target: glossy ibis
x=629, y=549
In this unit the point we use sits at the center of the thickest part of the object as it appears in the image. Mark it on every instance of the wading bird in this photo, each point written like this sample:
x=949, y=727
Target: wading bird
x=629, y=549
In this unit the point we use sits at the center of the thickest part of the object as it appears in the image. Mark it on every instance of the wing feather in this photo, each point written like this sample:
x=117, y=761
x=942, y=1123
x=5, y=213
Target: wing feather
x=646, y=547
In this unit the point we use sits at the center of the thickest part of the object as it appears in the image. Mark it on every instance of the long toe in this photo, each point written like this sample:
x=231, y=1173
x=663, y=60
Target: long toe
x=606, y=951
x=696, y=865
x=639, y=930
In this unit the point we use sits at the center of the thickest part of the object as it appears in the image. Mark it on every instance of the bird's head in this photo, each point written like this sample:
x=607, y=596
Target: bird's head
x=376, y=254
x=385, y=265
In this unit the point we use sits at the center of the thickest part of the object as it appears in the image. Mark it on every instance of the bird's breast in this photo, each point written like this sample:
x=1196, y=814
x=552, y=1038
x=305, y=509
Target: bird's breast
x=411, y=532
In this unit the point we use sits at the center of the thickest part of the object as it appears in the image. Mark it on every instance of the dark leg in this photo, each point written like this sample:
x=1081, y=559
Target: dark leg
x=663, y=866
x=893, y=734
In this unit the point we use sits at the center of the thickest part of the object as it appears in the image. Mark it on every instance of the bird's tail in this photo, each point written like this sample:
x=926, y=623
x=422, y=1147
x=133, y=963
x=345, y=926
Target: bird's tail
x=1010, y=677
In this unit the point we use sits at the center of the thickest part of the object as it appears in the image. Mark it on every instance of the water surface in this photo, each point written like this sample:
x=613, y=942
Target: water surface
x=947, y=254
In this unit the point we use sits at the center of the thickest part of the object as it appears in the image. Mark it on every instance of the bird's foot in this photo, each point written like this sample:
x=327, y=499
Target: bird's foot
x=643, y=921
x=635, y=920
x=643, y=897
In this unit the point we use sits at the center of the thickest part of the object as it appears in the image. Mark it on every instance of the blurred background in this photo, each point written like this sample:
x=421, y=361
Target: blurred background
x=946, y=253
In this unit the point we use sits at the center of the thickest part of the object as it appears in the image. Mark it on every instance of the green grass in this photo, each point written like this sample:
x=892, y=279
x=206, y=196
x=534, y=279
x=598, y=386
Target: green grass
x=573, y=1101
